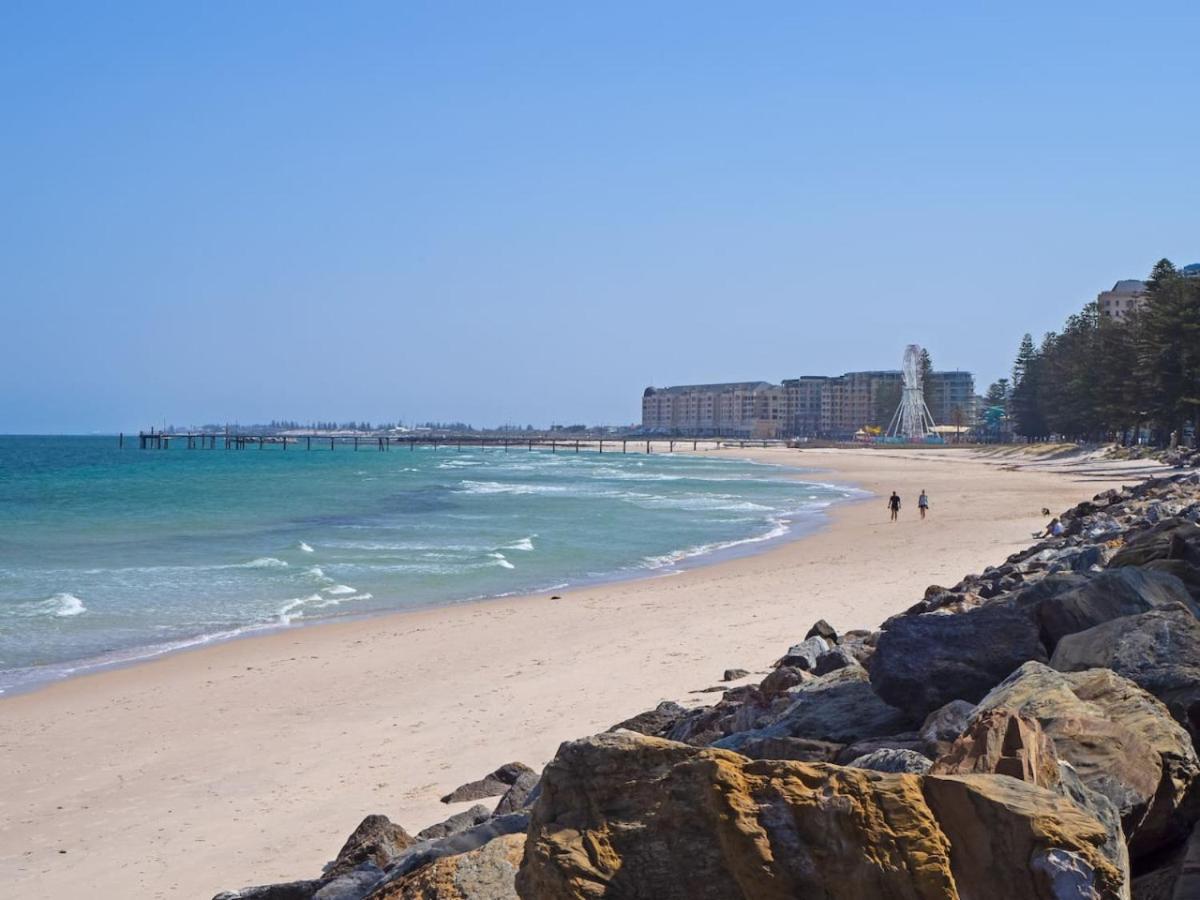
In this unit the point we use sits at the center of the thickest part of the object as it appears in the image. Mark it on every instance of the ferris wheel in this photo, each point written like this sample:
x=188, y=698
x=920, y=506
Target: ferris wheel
x=912, y=421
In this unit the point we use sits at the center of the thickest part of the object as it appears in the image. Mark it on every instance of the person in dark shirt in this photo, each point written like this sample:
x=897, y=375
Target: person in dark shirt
x=894, y=505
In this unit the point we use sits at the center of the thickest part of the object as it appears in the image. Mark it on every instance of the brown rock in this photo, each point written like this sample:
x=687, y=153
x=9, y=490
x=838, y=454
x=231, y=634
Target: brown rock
x=627, y=816
x=1123, y=743
x=1000, y=742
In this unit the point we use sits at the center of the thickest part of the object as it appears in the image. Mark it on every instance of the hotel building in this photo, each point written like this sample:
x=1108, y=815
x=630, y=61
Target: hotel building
x=810, y=406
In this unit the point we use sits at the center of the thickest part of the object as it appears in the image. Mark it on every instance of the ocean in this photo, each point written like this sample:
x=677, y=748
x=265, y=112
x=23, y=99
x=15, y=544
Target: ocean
x=110, y=555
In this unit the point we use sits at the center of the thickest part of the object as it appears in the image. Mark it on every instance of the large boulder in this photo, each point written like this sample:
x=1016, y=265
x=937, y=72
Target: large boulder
x=840, y=707
x=485, y=873
x=1158, y=650
x=1107, y=596
x=622, y=815
x=923, y=662
x=887, y=759
x=1122, y=742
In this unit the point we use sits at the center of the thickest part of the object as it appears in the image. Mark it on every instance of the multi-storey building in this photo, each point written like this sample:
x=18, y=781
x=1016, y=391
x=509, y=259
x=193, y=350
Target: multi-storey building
x=810, y=406
x=1125, y=297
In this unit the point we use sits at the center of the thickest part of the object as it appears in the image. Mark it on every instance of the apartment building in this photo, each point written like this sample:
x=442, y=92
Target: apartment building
x=1124, y=298
x=810, y=406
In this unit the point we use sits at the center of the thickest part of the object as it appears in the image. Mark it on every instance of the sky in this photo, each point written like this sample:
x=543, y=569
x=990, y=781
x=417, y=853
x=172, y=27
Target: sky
x=528, y=212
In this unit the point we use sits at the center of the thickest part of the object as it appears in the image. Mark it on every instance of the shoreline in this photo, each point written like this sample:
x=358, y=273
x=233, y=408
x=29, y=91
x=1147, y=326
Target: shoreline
x=241, y=762
x=688, y=560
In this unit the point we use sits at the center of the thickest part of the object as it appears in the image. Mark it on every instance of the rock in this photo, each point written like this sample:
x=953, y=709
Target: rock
x=1177, y=877
x=456, y=823
x=834, y=659
x=376, y=840
x=657, y=722
x=799, y=749
x=804, y=655
x=1188, y=573
x=353, y=885
x=485, y=873
x=520, y=795
x=1107, y=596
x=422, y=854
x=946, y=723
x=1169, y=539
x=624, y=815
x=888, y=760
x=924, y=662
x=291, y=890
x=1099, y=807
x=491, y=785
x=781, y=679
x=908, y=740
x=734, y=674
x=1158, y=650
x=822, y=629
x=840, y=707
x=1001, y=742
x=1122, y=742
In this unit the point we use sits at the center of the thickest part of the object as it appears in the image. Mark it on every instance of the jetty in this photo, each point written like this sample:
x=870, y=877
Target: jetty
x=163, y=440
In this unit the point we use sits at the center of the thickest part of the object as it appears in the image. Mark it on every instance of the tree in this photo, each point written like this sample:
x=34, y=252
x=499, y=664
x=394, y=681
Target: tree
x=1168, y=354
x=1025, y=399
x=997, y=393
x=927, y=378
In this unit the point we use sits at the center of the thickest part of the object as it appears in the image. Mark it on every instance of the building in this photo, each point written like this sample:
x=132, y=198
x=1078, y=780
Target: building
x=818, y=406
x=735, y=409
x=1124, y=298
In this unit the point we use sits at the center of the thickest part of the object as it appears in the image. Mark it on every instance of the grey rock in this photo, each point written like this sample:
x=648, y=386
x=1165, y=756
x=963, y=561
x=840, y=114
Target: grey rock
x=1070, y=785
x=886, y=760
x=840, y=707
x=908, y=740
x=799, y=749
x=822, y=629
x=804, y=655
x=1157, y=650
x=946, y=723
x=657, y=722
x=734, y=674
x=923, y=662
x=1109, y=595
x=352, y=885
x=458, y=822
x=834, y=659
x=290, y=890
x=519, y=795
x=491, y=785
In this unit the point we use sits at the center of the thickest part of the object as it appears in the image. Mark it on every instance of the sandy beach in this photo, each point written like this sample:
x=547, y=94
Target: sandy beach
x=250, y=761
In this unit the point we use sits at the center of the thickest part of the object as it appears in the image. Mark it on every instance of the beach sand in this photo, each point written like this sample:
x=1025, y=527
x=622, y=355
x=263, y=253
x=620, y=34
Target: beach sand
x=251, y=761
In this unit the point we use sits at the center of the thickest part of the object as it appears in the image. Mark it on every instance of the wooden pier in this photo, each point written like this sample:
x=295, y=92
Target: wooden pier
x=158, y=440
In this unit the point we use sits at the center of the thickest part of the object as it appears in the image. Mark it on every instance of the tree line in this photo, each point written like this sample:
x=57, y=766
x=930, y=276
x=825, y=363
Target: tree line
x=1103, y=378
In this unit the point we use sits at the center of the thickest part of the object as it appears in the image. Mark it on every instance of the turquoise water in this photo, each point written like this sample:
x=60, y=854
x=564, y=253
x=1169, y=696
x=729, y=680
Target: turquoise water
x=109, y=555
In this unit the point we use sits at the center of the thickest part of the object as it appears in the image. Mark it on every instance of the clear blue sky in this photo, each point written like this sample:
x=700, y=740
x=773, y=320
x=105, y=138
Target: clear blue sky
x=528, y=212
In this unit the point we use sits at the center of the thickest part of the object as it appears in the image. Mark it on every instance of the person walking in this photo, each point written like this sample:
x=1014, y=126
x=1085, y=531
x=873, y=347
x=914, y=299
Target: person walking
x=894, y=505
x=923, y=503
